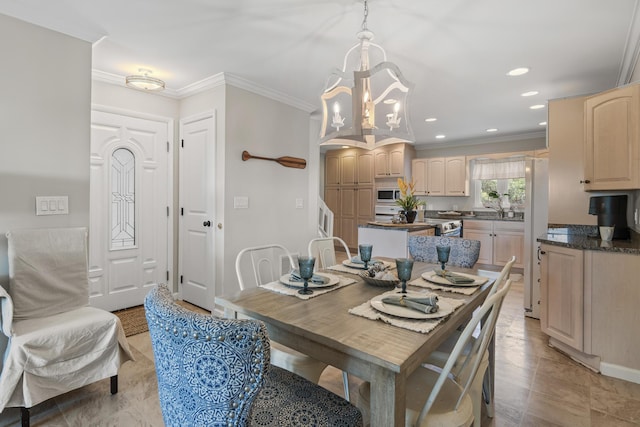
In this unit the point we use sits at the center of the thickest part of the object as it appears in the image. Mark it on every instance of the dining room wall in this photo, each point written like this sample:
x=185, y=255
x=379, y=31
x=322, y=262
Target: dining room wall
x=264, y=127
x=44, y=116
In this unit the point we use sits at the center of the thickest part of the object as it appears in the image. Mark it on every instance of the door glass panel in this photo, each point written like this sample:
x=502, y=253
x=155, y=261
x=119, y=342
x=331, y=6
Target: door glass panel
x=123, y=200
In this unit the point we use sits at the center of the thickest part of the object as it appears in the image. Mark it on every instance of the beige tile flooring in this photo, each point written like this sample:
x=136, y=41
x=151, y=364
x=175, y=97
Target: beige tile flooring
x=535, y=386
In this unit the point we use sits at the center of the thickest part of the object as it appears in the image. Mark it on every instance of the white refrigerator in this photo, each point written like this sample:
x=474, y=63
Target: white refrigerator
x=535, y=225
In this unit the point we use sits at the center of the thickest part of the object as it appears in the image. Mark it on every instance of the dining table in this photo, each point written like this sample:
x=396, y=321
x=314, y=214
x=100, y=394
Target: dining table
x=324, y=328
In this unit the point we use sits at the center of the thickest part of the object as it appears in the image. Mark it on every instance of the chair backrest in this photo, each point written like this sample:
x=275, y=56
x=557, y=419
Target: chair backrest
x=464, y=252
x=488, y=315
x=209, y=369
x=323, y=248
x=504, y=275
x=48, y=271
x=265, y=262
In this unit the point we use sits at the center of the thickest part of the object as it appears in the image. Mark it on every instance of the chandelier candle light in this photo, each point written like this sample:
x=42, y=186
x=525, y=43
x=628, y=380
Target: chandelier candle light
x=362, y=96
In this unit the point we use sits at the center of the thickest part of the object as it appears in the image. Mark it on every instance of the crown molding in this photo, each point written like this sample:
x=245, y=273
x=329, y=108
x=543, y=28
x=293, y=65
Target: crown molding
x=631, y=52
x=211, y=82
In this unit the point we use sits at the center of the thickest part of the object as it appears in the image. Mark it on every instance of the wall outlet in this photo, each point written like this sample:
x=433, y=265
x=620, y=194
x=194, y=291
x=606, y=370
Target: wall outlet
x=240, y=202
x=299, y=203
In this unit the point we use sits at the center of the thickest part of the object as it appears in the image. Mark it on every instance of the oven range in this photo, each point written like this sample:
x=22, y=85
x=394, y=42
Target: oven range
x=443, y=227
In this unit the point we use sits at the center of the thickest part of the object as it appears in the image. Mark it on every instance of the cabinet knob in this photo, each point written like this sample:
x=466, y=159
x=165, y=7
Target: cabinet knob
x=586, y=181
x=207, y=223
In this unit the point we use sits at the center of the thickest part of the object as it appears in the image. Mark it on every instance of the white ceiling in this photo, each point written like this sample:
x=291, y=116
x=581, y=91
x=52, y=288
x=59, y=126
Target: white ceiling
x=456, y=52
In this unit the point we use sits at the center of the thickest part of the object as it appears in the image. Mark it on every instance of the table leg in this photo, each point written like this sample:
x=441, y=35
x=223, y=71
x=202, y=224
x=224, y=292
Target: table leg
x=388, y=402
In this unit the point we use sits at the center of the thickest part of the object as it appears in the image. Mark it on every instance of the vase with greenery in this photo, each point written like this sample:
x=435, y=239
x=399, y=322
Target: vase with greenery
x=408, y=201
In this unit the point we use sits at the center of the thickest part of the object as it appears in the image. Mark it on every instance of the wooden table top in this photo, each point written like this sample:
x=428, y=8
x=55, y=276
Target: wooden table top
x=323, y=328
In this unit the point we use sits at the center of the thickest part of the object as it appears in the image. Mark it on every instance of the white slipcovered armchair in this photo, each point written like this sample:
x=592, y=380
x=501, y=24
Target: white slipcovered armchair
x=56, y=342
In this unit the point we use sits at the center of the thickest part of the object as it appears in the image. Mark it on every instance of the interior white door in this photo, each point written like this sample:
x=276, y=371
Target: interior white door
x=197, y=228
x=129, y=209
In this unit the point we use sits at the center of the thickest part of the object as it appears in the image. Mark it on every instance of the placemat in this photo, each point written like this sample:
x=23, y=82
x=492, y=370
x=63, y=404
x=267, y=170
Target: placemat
x=422, y=326
x=467, y=290
x=281, y=288
x=344, y=269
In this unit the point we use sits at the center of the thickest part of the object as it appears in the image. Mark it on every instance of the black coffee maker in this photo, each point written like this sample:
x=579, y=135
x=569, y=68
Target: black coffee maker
x=611, y=211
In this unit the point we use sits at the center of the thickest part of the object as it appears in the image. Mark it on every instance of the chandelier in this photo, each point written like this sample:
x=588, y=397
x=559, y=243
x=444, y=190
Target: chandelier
x=364, y=106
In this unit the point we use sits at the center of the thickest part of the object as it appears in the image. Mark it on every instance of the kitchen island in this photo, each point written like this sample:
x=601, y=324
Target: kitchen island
x=392, y=240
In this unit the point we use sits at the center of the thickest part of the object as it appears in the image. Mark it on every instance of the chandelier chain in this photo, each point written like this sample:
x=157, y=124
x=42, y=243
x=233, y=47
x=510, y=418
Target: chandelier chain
x=366, y=14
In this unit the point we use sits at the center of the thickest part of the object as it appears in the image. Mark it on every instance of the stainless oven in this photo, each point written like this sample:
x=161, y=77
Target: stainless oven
x=446, y=227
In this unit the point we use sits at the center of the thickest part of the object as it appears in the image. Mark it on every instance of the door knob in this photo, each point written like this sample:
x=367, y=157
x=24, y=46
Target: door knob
x=207, y=223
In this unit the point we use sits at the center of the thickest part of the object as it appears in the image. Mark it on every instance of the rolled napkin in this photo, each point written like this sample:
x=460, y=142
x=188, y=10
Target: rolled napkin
x=425, y=304
x=456, y=279
x=357, y=260
x=295, y=277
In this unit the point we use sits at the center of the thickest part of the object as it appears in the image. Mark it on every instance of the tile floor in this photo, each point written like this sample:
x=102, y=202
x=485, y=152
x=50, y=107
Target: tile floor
x=535, y=386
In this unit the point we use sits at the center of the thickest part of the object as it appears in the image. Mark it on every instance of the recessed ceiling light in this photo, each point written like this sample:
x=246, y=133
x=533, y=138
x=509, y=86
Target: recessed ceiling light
x=518, y=71
x=542, y=123
x=492, y=130
x=390, y=101
x=430, y=119
x=440, y=136
x=345, y=146
x=530, y=93
x=537, y=106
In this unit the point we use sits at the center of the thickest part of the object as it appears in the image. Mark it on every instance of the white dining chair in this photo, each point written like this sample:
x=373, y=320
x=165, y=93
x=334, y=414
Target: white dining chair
x=480, y=390
x=323, y=249
x=262, y=265
x=448, y=403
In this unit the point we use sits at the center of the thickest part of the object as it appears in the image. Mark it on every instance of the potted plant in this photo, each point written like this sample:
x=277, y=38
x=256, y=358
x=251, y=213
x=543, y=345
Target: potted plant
x=408, y=201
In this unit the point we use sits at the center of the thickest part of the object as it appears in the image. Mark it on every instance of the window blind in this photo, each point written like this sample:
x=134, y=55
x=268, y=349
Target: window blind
x=498, y=169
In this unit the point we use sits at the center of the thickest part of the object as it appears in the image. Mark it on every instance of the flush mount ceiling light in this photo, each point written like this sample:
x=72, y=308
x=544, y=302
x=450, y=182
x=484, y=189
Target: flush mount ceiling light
x=364, y=106
x=144, y=81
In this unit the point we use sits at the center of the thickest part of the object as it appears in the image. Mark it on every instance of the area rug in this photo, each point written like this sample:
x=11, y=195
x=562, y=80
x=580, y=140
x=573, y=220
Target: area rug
x=134, y=321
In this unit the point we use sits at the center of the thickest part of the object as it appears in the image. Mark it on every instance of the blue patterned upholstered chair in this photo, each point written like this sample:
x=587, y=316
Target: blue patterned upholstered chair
x=464, y=252
x=216, y=372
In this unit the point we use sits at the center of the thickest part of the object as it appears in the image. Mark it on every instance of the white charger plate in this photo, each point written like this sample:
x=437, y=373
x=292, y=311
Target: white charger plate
x=444, y=308
x=349, y=263
x=331, y=280
x=431, y=276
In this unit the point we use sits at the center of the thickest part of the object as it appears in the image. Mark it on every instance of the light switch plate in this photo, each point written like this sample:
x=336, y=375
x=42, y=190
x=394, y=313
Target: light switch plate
x=52, y=205
x=241, y=202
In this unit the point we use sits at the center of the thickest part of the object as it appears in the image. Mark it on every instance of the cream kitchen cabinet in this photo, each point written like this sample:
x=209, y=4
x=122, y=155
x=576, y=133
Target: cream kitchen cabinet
x=441, y=176
x=349, y=191
x=349, y=167
x=393, y=161
x=499, y=240
x=356, y=207
x=568, y=202
x=562, y=294
x=612, y=144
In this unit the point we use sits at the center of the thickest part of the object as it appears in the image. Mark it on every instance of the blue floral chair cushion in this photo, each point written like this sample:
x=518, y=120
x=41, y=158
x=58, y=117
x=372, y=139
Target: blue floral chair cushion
x=216, y=372
x=464, y=252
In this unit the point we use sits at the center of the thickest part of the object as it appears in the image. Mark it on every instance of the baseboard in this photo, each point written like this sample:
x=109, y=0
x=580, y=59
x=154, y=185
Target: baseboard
x=620, y=372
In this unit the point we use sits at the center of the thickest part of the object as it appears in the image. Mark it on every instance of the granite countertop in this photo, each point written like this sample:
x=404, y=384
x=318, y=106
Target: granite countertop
x=416, y=226
x=590, y=241
x=480, y=217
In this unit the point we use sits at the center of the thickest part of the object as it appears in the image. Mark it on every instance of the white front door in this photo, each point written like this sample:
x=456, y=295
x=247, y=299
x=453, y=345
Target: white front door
x=129, y=208
x=197, y=195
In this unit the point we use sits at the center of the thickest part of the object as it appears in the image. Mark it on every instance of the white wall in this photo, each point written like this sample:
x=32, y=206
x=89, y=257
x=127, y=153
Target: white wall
x=44, y=116
x=264, y=127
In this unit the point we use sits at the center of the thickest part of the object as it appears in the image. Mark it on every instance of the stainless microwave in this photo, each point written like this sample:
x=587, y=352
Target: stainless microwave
x=387, y=195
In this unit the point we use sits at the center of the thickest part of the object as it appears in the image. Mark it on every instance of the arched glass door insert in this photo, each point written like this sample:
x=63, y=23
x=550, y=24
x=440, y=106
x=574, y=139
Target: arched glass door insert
x=123, y=199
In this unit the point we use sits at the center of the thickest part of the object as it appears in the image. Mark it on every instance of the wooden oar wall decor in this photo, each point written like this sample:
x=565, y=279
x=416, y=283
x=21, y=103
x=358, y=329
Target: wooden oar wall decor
x=286, y=161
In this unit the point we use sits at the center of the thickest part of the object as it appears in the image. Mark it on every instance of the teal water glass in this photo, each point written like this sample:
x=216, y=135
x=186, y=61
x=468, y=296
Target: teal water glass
x=365, y=253
x=305, y=265
x=405, y=267
x=443, y=255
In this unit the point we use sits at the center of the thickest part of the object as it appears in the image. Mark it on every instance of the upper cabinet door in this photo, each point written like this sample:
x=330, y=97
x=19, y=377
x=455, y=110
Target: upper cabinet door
x=435, y=176
x=456, y=182
x=365, y=168
x=348, y=168
x=396, y=161
x=419, y=175
x=332, y=169
x=611, y=140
